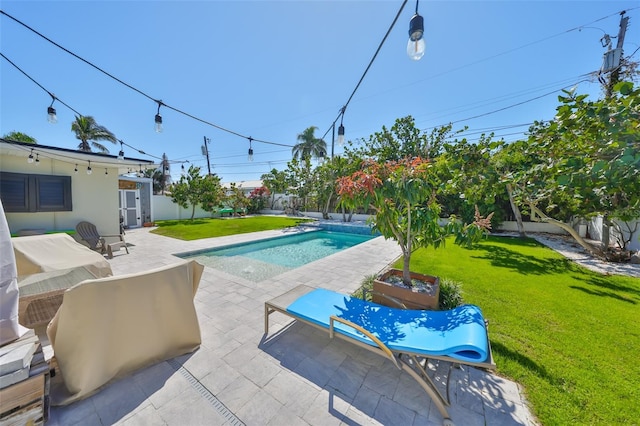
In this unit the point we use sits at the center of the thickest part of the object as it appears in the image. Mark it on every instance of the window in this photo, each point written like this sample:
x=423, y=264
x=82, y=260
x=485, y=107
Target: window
x=35, y=193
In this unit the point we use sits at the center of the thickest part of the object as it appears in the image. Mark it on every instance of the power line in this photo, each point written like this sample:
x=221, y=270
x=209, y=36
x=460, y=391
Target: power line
x=480, y=61
x=469, y=106
x=519, y=47
x=505, y=108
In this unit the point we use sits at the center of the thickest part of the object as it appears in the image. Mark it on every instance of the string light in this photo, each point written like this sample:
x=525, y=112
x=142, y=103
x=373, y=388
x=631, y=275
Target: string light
x=341, y=127
x=341, y=135
x=250, y=155
x=158, y=119
x=416, y=45
x=121, y=153
x=58, y=157
x=51, y=111
x=375, y=55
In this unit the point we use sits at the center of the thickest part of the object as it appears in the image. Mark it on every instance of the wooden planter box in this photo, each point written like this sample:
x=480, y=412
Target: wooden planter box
x=412, y=298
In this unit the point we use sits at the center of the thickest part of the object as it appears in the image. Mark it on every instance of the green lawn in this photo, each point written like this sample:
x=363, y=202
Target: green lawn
x=568, y=335
x=208, y=228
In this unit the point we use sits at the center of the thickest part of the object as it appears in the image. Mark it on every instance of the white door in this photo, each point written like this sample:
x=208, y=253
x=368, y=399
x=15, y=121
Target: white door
x=130, y=207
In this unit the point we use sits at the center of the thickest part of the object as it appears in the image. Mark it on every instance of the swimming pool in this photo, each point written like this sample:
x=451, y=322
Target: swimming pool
x=264, y=259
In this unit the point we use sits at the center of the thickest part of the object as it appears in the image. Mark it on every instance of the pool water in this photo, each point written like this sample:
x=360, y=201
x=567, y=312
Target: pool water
x=264, y=259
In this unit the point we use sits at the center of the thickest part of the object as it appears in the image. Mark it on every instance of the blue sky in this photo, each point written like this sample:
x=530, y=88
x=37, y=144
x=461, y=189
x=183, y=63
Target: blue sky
x=270, y=69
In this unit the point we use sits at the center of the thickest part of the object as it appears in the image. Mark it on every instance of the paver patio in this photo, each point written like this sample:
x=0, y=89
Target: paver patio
x=296, y=375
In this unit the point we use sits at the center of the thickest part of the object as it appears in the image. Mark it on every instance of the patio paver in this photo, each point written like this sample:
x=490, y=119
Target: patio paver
x=297, y=377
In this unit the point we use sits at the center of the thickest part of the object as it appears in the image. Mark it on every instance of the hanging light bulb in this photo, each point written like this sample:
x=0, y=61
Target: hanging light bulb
x=37, y=159
x=158, y=123
x=250, y=155
x=121, y=153
x=416, y=45
x=106, y=172
x=51, y=111
x=341, y=135
x=159, y=119
x=89, y=171
x=30, y=158
x=51, y=115
x=75, y=170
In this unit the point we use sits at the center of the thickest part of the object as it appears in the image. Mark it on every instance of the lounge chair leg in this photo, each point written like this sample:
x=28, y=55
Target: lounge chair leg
x=427, y=384
x=109, y=252
x=267, y=312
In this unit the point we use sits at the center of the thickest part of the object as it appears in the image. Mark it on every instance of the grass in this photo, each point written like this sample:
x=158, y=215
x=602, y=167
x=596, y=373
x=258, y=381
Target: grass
x=207, y=228
x=568, y=335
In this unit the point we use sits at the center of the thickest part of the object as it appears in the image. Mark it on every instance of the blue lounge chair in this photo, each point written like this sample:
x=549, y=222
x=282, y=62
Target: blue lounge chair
x=407, y=337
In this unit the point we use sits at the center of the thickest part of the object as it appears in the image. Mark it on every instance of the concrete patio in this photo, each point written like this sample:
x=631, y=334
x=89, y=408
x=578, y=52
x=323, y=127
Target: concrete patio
x=294, y=376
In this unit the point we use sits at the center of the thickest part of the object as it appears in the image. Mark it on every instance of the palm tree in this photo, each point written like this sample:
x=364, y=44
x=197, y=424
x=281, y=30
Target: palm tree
x=161, y=176
x=20, y=137
x=309, y=145
x=86, y=129
x=157, y=176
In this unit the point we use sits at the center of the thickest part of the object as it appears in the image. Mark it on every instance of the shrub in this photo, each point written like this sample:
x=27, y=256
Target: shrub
x=450, y=294
x=366, y=288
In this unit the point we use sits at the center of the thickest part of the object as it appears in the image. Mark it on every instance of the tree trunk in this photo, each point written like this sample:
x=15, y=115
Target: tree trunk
x=193, y=211
x=588, y=247
x=325, y=212
x=516, y=212
x=406, y=273
x=606, y=233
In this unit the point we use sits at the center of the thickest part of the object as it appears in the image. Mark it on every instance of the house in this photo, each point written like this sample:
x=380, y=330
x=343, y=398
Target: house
x=246, y=185
x=46, y=188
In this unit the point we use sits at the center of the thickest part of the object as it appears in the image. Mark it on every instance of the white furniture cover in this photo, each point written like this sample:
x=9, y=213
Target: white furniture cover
x=109, y=327
x=53, y=252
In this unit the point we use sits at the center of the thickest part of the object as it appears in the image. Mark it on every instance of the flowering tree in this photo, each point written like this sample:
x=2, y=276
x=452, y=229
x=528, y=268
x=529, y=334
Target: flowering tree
x=258, y=199
x=402, y=194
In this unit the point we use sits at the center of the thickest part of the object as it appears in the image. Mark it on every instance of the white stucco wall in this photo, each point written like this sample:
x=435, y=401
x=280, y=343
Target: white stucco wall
x=165, y=209
x=634, y=245
x=94, y=197
x=595, y=232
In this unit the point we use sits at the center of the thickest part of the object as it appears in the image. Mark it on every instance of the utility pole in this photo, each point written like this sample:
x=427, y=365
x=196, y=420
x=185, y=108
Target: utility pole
x=611, y=64
x=613, y=57
x=205, y=152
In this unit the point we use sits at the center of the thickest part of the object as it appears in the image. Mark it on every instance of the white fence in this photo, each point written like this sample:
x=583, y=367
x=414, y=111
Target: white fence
x=595, y=233
x=165, y=209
